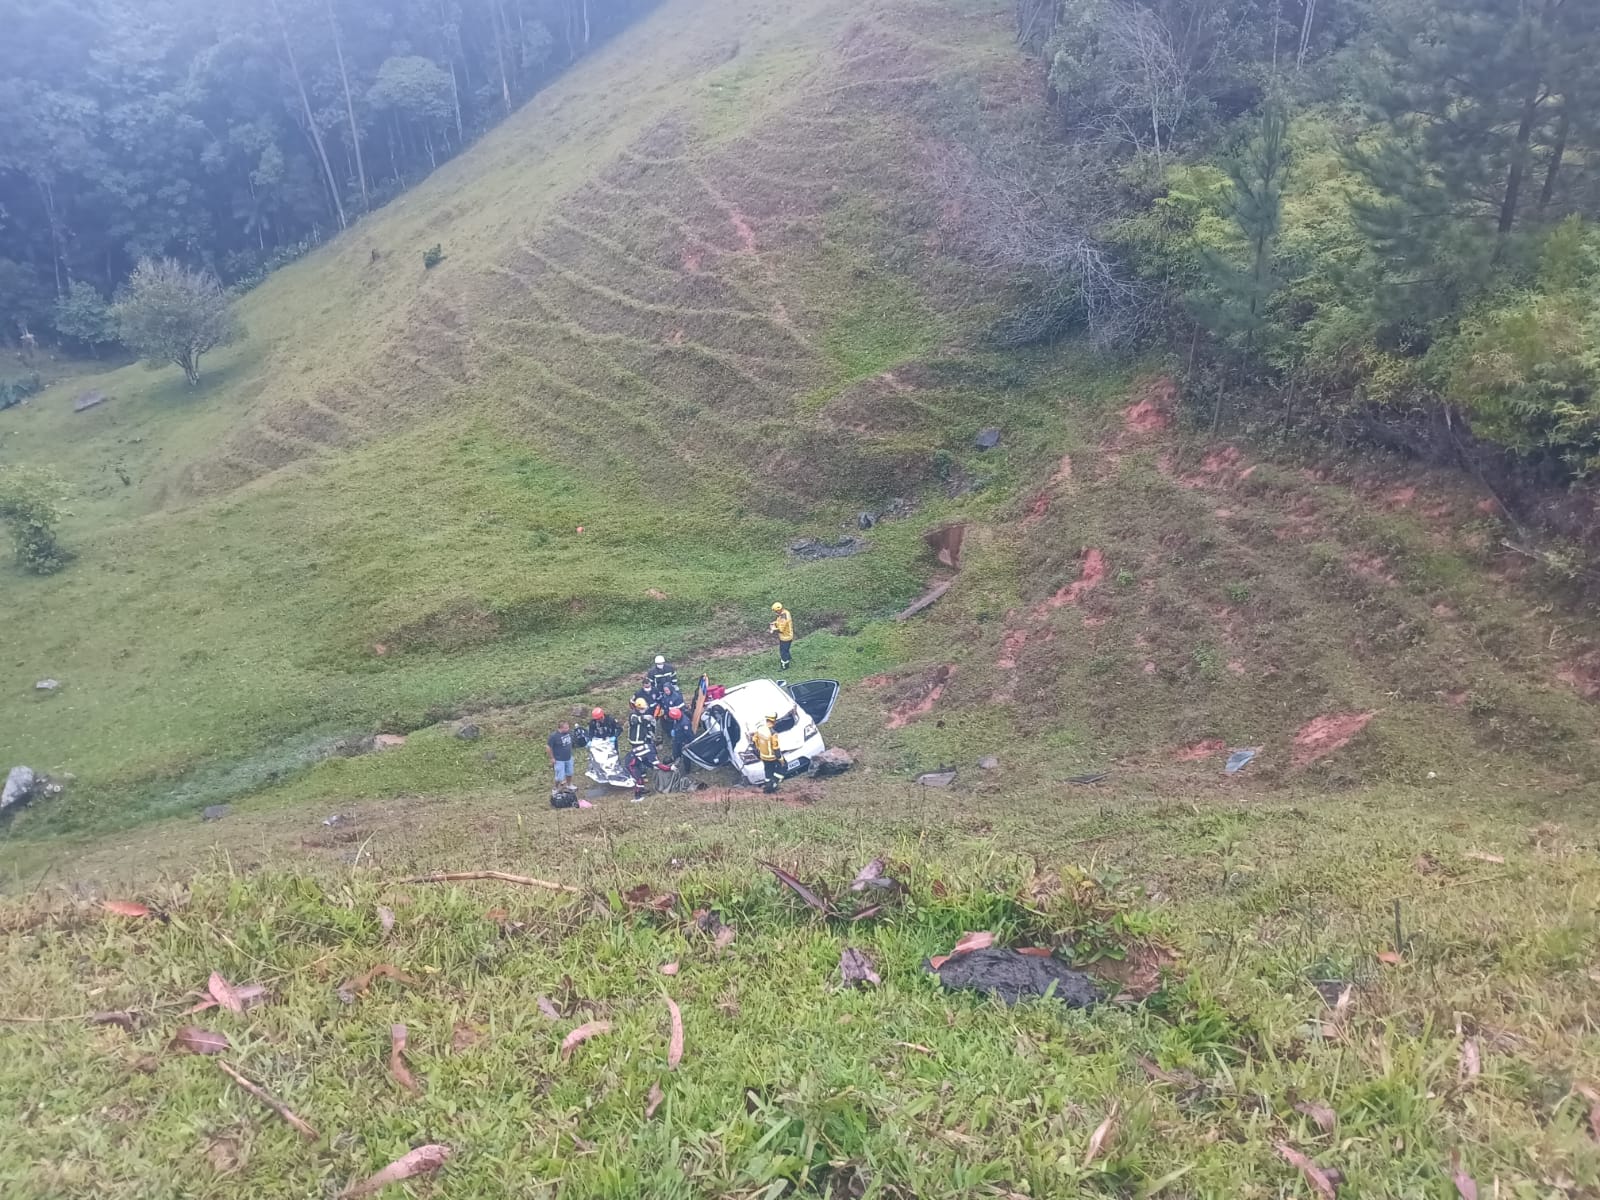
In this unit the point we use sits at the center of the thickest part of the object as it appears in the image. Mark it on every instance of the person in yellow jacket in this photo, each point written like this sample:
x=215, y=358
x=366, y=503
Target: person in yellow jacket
x=765, y=740
x=783, y=626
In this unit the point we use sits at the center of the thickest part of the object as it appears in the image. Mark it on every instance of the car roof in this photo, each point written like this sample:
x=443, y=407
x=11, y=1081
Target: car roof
x=758, y=698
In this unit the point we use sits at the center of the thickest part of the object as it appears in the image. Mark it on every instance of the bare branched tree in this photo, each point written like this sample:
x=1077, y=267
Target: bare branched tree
x=1006, y=223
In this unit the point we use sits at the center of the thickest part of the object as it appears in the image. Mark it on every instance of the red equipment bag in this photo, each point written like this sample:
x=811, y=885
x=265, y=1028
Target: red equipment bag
x=716, y=692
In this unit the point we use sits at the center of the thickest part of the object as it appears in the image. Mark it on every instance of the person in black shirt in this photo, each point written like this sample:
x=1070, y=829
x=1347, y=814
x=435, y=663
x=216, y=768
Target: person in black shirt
x=602, y=727
x=641, y=746
x=661, y=677
x=560, y=747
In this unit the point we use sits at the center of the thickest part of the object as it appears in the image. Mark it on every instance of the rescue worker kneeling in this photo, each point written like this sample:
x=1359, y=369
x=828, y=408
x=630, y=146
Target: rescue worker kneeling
x=765, y=741
x=641, y=746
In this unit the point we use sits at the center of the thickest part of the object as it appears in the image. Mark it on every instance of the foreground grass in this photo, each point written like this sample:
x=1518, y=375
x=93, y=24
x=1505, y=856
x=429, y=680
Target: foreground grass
x=793, y=1084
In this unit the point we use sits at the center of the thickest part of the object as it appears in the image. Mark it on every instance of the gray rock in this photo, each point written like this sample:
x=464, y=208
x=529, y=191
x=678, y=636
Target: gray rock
x=214, y=812
x=865, y=520
x=20, y=784
x=834, y=761
x=937, y=779
x=989, y=763
x=1013, y=977
x=88, y=400
x=336, y=819
x=47, y=685
x=469, y=732
x=813, y=549
x=987, y=439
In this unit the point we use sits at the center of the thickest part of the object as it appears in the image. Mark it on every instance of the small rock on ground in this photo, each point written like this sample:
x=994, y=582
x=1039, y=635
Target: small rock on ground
x=987, y=439
x=937, y=779
x=989, y=763
x=387, y=741
x=1013, y=977
x=469, y=732
x=214, y=812
x=19, y=786
x=47, y=685
x=834, y=761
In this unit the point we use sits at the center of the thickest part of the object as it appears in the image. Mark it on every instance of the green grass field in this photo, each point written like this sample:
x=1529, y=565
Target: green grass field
x=696, y=304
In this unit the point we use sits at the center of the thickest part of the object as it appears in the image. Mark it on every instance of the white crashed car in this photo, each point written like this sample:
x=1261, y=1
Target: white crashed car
x=800, y=707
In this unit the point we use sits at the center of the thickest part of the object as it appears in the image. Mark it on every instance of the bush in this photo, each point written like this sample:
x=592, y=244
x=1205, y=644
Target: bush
x=15, y=391
x=83, y=316
x=30, y=506
x=432, y=256
x=171, y=314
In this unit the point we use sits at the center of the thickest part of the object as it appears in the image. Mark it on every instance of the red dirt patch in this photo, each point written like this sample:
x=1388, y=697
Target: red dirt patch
x=1010, y=647
x=1090, y=576
x=1321, y=736
x=1200, y=751
x=875, y=681
x=1152, y=411
x=932, y=688
x=1036, y=510
x=1582, y=674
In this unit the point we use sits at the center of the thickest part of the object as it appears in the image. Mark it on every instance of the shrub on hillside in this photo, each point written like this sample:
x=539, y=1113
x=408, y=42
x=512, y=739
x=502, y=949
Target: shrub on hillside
x=83, y=316
x=30, y=506
x=168, y=313
x=15, y=391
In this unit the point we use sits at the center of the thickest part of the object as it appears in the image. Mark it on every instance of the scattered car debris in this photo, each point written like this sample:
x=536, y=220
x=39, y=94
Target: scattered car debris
x=856, y=968
x=1238, y=760
x=1088, y=777
x=47, y=685
x=1014, y=977
x=815, y=549
x=937, y=779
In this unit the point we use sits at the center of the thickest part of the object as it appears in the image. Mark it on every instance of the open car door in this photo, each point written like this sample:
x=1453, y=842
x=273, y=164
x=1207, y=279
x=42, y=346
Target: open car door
x=816, y=697
x=710, y=749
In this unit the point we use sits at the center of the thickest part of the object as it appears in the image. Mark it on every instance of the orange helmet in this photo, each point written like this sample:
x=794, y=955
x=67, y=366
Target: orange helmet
x=674, y=713
x=598, y=714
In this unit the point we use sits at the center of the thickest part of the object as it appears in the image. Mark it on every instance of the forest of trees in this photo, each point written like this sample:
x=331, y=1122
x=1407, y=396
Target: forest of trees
x=233, y=134
x=1370, y=218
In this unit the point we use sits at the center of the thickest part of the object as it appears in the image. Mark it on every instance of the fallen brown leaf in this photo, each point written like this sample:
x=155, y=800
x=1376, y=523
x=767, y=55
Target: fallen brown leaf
x=349, y=990
x=866, y=914
x=1466, y=1185
x=1482, y=856
x=582, y=1034
x=1389, y=958
x=222, y=992
x=1471, y=1061
x=855, y=967
x=421, y=1161
x=386, y=918
x=397, y=1060
x=675, y=1046
x=799, y=889
x=548, y=1009
x=271, y=1101
x=1320, y=1180
x=464, y=1036
x=191, y=1039
x=939, y=960
x=125, y=908
x=653, y=1101
x=123, y=1019
x=1103, y=1133
x=670, y=968
x=1324, y=1116
x=1035, y=951
x=981, y=940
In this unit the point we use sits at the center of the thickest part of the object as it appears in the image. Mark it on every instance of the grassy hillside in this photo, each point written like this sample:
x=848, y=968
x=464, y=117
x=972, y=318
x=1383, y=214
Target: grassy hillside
x=696, y=305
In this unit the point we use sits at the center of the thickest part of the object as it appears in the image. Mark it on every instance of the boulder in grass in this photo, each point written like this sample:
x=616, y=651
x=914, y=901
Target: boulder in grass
x=20, y=787
x=834, y=761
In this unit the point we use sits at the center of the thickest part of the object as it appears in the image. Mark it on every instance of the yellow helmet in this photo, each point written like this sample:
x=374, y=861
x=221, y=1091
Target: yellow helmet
x=772, y=718
x=777, y=608
x=638, y=702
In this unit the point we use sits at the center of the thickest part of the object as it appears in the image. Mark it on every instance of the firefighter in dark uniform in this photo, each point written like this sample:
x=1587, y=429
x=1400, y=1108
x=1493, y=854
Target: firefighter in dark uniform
x=641, y=746
x=765, y=741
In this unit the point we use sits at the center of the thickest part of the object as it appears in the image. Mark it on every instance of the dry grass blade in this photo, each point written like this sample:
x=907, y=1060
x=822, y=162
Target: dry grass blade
x=1103, y=1133
x=799, y=889
x=1466, y=1185
x=503, y=877
x=397, y=1060
x=421, y=1161
x=191, y=1039
x=582, y=1034
x=653, y=1101
x=1321, y=1182
x=222, y=992
x=1471, y=1061
x=675, y=1047
x=1326, y=1119
x=272, y=1102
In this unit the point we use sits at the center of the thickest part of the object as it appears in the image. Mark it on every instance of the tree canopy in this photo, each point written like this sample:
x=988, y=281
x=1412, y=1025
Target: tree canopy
x=231, y=135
